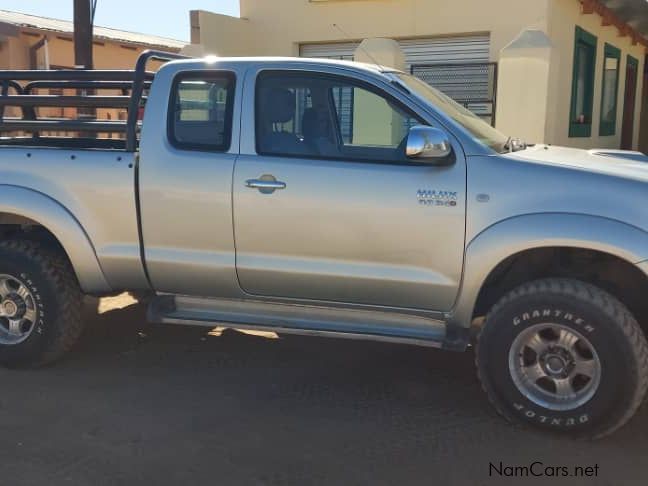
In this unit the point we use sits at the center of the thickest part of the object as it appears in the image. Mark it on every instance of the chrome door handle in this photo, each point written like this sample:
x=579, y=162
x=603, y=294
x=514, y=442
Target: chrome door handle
x=266, y=184
x=259, y=184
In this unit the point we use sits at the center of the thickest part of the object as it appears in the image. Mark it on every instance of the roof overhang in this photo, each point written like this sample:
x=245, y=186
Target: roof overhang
x=630, y=17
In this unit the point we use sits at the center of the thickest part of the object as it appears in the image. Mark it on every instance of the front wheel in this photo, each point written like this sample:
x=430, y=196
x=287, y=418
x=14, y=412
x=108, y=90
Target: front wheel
x=563, y=355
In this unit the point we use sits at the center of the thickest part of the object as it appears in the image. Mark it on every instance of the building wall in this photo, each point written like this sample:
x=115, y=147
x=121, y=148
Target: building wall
x=278, y=27
x=563, y=17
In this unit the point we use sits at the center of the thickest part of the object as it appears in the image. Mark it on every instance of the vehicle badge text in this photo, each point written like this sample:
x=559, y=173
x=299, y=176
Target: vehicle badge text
x=436, y=198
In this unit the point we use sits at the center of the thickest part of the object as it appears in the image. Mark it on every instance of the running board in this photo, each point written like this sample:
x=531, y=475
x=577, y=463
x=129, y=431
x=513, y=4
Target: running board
x=298, y=319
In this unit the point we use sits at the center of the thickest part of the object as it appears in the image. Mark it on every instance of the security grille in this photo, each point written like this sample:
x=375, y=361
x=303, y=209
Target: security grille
x=474, y=84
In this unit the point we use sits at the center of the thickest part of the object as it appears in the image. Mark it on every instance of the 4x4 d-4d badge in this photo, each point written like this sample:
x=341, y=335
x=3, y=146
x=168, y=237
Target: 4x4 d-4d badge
x=436, y=198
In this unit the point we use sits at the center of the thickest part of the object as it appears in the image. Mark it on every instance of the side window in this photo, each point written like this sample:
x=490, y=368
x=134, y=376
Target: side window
x=323, y=116
x=200, y=114
x=611, y=61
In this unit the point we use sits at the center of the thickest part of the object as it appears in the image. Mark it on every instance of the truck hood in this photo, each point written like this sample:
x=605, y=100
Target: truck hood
x=616, y=163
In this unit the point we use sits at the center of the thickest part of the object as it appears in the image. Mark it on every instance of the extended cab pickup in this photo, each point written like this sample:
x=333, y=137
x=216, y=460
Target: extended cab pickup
x=329, y=198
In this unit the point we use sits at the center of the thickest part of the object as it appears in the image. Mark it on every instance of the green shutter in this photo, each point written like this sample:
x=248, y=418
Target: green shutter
x=584, y=51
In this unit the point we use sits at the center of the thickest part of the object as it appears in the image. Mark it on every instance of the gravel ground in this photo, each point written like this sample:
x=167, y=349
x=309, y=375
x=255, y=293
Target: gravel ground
x=163, y=405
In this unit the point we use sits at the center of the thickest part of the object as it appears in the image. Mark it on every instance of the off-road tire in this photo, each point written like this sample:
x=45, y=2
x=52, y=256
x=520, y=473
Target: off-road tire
x=612, y=331
x=51, y=280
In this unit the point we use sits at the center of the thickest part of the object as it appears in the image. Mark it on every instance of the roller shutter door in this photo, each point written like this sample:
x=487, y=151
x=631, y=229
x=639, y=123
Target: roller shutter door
x=460, y=49
x=342, y=50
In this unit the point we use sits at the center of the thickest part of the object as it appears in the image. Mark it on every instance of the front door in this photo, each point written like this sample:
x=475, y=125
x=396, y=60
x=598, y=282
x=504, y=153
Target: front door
x=629, y=103
x=330, y=209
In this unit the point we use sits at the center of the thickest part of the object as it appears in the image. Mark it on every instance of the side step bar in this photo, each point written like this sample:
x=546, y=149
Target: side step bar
x=298, y=319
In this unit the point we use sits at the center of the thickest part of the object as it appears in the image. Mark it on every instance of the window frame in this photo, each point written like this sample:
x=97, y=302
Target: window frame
x=207, y=76
x=590, y=40
x=351, y=81
x=609, y=128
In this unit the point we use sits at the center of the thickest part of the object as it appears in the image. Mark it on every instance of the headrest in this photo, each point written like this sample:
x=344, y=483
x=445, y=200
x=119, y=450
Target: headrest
x=279, y=105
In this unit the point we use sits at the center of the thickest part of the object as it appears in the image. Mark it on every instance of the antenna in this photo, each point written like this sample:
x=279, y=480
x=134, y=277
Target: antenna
x=346, y=34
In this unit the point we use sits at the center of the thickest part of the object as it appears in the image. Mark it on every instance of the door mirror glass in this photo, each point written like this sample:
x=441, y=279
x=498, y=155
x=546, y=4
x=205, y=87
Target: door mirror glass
x=428, y=144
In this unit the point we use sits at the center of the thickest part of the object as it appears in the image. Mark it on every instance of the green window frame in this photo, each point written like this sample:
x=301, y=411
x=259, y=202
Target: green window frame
x=609, y=90
x=583, y=75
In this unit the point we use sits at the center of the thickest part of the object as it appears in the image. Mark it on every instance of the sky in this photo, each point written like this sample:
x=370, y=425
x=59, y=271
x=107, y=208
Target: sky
x=168, y=18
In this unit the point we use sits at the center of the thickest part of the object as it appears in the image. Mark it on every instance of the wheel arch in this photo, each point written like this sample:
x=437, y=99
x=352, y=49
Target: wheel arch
x=21, y=207
x=550, y=236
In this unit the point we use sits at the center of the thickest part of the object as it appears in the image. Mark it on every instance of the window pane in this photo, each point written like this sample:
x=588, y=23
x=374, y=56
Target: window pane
x=610, y=82
x=202, y=113
x=581, y=83
x=323, y=116
x=372, y=121
x=343, y=99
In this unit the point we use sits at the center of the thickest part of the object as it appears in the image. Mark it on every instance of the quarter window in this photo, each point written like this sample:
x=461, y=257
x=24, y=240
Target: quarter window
x=611, y=63
x=580, y=122
x=322, y=116
x=200, y=115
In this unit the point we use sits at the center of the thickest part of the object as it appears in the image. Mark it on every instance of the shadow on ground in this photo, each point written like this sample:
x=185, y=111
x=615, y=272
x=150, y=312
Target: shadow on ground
x=163, y=405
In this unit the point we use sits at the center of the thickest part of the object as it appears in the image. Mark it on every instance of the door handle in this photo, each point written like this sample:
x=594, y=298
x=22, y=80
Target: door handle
x=266, y=184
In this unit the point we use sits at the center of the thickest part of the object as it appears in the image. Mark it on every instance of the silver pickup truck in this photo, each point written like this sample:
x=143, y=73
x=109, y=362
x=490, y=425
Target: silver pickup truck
x=327, y=198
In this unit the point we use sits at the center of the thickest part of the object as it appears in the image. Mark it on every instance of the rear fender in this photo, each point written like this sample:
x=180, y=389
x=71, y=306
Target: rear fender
x=36, y=206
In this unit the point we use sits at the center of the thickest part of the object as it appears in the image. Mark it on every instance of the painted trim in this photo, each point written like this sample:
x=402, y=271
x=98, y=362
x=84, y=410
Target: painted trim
x=607, y=128
x=582, y=129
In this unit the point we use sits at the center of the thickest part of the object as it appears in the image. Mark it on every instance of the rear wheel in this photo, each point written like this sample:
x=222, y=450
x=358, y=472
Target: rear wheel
x=565, y=356
x=40, y=304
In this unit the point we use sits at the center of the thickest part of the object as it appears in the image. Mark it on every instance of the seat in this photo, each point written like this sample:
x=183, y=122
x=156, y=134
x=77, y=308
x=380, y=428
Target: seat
x=278, y=107
x=317, y=133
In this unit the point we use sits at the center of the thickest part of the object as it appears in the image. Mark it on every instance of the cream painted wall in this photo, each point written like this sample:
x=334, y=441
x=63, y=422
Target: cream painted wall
x=563, y=17
x=278, y=27
x=224, y=35
x=524, y=84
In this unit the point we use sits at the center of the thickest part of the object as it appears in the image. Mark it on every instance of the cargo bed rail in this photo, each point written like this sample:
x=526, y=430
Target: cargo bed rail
x=20, y=89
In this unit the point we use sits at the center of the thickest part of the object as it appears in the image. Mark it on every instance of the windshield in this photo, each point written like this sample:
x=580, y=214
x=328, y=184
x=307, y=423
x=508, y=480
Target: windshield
x=477, y=127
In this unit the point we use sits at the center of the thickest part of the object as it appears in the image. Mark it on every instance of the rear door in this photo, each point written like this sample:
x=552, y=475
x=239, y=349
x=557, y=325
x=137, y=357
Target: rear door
x=328, y=208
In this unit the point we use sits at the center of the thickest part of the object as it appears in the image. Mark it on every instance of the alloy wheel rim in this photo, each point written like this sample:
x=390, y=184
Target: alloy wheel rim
x=18, y=312
x=554, y=366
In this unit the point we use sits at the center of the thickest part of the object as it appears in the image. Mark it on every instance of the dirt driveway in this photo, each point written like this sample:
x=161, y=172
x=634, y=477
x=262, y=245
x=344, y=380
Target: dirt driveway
x=162, y=405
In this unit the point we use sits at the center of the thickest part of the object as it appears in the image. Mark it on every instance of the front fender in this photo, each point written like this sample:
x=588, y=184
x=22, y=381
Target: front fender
x=520, y=233
x=47, y=212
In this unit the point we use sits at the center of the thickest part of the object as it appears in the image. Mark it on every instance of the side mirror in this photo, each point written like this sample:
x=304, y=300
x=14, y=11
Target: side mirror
x=427, y=144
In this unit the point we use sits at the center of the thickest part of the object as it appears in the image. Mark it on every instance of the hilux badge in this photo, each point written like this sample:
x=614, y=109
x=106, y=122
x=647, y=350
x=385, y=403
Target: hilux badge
x=436, y=198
